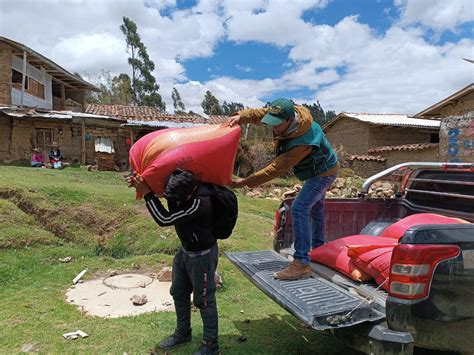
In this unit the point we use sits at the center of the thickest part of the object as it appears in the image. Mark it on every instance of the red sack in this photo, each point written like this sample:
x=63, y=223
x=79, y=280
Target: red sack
x=207, y=151
x=335, y=254
x=398, y=229
x=374, y=261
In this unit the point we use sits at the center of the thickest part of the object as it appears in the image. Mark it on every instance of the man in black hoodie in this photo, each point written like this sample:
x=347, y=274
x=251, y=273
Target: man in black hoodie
x=191, y=213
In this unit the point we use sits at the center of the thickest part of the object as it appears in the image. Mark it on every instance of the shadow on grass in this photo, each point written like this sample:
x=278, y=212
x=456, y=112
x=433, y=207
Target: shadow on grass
x=272, y=335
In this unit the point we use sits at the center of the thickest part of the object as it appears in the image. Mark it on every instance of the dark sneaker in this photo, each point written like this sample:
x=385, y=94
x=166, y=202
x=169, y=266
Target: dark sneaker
x=208, y=348
x=175, y=339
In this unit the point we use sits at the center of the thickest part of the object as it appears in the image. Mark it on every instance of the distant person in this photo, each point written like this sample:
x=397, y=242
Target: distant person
x=55, y=156
x=37, y=159
x=300, y=145
x=194, y=265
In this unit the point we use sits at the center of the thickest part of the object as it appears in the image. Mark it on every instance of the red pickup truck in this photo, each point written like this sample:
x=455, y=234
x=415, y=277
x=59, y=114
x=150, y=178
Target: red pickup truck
x=362, y=315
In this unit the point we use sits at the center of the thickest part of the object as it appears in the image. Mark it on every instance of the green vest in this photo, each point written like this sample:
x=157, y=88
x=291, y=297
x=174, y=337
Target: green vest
x=322, y=158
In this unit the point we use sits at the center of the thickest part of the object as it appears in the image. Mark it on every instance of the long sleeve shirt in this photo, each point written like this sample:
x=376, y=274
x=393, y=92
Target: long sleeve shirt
x=193, y=219
x=283, y=163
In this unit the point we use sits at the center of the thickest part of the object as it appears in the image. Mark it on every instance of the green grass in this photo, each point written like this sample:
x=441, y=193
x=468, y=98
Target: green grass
x=93, y=217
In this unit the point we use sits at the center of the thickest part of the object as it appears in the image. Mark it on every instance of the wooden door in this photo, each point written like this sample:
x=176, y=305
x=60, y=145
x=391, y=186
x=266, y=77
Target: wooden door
x=44, y=140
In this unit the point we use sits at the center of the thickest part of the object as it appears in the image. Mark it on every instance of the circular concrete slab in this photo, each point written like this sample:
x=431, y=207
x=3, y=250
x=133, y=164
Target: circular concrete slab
x=96, y=298
x=128, y=281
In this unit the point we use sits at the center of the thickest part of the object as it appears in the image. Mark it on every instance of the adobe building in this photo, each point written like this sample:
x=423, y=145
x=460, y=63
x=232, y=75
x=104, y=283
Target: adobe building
x=456, y=114
x=373, y=142
x=42, y=103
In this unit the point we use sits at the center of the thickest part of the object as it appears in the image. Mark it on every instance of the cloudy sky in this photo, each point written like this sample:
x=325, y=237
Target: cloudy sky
x=397, y=56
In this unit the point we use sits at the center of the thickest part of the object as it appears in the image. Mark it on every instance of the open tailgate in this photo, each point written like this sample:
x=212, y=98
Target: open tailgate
x=317, y=302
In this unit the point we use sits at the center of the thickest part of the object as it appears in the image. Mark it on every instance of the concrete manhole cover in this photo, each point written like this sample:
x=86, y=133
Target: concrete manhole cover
x=111, y=297
x=128, y=281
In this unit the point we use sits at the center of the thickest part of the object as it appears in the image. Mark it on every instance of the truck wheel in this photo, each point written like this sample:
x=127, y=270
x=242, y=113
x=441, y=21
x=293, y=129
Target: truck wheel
x=376, y=227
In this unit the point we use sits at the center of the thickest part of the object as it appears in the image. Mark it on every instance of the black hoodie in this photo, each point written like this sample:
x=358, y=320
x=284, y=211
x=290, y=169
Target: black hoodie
x=192, y=219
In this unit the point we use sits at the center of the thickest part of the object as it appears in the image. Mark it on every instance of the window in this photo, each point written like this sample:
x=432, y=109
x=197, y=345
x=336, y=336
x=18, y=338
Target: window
x=35, y=88
x=17, y=77
x=32, y=86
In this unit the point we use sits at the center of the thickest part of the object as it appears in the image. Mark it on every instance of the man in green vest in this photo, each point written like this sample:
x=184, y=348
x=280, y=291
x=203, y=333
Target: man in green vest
x=300, y=145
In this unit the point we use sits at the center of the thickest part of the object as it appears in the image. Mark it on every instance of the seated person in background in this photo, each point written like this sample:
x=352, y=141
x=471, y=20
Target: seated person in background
x=55, y=156
x=37, y=159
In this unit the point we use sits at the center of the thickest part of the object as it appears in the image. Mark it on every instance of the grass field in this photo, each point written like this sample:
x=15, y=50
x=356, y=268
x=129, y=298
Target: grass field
x=93, y=217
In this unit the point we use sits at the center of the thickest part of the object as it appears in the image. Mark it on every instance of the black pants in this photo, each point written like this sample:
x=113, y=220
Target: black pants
x=195, y=275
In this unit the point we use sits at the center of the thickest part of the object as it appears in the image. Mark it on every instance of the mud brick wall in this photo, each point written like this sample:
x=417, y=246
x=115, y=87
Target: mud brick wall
x=352, y=135
x=5, y=74
x=383, y=136
x=396, y=157
x=457, y=138
x=367, y=168
x=5, y=136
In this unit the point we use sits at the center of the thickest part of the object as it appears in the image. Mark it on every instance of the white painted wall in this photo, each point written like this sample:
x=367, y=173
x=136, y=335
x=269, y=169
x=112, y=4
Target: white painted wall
x=40, y=76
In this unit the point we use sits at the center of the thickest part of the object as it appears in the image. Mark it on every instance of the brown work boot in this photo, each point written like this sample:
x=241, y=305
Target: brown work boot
x=296, y=270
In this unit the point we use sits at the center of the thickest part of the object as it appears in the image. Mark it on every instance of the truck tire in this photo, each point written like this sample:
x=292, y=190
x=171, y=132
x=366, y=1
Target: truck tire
x=376, y=227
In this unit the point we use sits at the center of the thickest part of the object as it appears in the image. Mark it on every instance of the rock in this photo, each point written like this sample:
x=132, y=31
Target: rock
x=139, y=300
x=254, y=194
x=276, y=192
x=165, y=274
x=66, y=259
x=289, y=193
x=218, y=280
x=112, y=272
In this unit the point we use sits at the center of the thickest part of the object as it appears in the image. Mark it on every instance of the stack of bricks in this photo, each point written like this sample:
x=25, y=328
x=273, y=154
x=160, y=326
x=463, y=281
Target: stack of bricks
x=5, y=74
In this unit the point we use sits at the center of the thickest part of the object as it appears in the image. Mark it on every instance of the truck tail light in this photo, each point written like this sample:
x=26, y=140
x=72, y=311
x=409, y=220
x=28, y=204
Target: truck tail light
x=412, y=268
x=276, y=227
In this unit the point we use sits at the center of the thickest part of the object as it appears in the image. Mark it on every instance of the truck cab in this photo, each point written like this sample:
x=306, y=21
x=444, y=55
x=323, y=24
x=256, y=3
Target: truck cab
x=431, y=284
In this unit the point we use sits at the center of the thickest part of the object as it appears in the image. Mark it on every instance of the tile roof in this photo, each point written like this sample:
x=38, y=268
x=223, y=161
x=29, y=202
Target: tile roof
x=367, y=158
x=142, y=113
x=386, y=119
x=417, y=146
x=218, y=119
x=163, y=124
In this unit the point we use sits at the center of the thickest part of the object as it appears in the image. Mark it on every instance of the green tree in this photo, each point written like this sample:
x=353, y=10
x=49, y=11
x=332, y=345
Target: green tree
x=210, y=104
x=143, y=83
x=115, y=90
x=177, y=102
x=330, y=115
x=228, y=108
x=317, y=112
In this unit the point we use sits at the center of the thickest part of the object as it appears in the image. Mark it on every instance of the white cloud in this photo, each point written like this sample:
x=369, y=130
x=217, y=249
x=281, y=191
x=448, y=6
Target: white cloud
x=348, y=66
x=243, y=68
x=439, y=15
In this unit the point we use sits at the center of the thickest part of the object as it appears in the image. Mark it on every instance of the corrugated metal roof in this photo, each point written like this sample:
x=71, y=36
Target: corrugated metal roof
x=166, y=124
x=393, y=119
x=60, y=115
x=386, y=119
x=417, y=146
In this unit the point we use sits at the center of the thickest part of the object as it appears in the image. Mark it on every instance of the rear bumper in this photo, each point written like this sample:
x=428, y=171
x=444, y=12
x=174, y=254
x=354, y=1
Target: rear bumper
x=376, y=339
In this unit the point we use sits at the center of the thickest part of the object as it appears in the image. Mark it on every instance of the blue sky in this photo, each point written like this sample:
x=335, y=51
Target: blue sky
x=395, y=56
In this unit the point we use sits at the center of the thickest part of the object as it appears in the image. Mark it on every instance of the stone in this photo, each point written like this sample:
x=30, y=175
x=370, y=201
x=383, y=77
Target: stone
x=276, y=192
x=139, y=300
x=165, y=274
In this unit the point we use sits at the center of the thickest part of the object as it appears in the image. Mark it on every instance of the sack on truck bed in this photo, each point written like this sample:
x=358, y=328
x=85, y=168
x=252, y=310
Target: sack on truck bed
x=207, y=151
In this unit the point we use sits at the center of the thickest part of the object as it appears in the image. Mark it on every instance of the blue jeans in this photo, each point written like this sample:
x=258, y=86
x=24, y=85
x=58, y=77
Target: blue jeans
x=308, y=216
